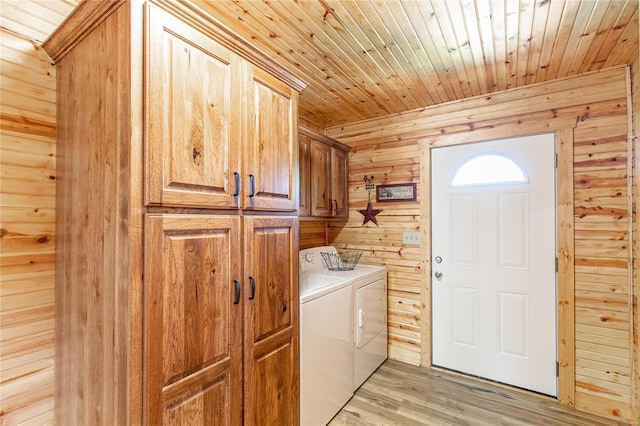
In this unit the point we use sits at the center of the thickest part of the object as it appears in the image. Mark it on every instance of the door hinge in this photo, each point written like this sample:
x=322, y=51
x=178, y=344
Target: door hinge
x=556, y=161
x=556, y=263
x=557, y=369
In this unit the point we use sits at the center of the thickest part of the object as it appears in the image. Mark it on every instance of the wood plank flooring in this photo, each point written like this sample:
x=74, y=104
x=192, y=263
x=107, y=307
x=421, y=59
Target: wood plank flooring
x=401, y=394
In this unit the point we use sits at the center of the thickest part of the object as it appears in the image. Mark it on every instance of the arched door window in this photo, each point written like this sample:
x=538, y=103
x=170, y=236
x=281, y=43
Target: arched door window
x=489, y=169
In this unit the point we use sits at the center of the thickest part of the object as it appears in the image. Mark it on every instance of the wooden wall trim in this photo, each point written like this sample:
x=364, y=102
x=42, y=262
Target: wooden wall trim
x=424, y=188
x=565, y=253
x=635, y=90
x=632, y=223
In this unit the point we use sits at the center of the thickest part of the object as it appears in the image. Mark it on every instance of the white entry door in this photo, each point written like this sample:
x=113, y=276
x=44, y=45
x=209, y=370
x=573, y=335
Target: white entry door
x=493, y=264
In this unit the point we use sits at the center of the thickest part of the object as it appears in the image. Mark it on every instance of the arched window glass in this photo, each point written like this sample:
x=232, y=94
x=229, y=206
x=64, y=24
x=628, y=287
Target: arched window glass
x=489, y=169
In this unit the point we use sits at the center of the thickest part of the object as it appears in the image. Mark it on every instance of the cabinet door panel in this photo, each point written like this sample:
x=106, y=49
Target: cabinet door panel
x=193, y=329
x=271, y=153
x=207, y=403
x=340, y=184
x=274, y=397
x=192, y=92
x=304, y=155
x=271, y=321
x=321, y=201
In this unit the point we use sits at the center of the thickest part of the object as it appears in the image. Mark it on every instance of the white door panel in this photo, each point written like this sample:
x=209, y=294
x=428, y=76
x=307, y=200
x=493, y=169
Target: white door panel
x=494, y=303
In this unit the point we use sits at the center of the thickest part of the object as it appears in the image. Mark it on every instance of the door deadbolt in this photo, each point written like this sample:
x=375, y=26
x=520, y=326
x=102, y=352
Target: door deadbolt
x=438, y=259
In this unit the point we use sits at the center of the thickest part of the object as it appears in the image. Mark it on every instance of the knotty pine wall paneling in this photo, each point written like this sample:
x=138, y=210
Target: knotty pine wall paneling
x=635, y=90
x=27, y=231
x=589, y=115
x=313, y=233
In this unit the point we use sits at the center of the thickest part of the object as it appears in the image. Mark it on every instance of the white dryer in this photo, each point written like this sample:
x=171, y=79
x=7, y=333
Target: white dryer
x=370, y=320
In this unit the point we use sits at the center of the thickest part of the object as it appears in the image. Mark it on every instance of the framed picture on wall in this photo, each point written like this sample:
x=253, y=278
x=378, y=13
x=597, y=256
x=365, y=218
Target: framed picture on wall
x=396, y=192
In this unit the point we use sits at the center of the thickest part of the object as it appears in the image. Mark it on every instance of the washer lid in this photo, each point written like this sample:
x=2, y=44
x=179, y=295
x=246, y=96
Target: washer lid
x=312, y=285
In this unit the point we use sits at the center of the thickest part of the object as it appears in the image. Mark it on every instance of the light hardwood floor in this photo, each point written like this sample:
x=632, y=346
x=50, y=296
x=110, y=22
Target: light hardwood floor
x=401, y=394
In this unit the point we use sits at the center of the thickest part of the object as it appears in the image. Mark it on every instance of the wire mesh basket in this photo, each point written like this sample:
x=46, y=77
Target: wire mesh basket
x=342, y=261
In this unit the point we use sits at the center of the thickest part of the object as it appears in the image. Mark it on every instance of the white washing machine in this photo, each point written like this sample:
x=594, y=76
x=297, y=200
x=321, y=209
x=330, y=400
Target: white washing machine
x=326, y=347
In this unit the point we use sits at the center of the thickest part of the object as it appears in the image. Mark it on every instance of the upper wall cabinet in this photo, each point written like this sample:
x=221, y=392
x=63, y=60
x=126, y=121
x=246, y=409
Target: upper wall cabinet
x=205, y=105
x=324, y=179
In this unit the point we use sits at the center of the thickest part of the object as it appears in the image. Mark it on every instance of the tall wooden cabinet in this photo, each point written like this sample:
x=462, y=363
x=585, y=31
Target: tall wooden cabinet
x=176, y=261
x=324, y=176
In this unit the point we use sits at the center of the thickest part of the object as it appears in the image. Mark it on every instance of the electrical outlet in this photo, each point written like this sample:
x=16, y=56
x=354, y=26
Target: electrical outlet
x=412, y=238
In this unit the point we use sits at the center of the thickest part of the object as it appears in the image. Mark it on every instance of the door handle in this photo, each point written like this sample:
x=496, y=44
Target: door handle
x=237, y=299
x=438, y=274
x=252, y=181
x=236, y=175
x=252, y=281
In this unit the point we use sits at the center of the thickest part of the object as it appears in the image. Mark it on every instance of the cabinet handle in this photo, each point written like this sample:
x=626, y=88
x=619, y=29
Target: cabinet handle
x=252, y=281
x=252, y=181
x=237, y=176
x=336, y=207
x=330, y=205
x=237, y=299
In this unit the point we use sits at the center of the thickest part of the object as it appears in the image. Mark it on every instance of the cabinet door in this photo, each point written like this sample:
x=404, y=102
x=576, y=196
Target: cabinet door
x=304, y=147
x=271, y=321
x=193, y=90
x=321, y=181
x=270, y=171
x=192, y=326
x=340, y=183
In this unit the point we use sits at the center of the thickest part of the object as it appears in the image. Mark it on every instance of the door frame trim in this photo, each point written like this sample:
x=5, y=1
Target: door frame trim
x=565, y=280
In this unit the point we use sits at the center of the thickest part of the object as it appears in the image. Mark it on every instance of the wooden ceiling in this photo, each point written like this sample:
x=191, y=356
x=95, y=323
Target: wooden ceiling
x=370, y=58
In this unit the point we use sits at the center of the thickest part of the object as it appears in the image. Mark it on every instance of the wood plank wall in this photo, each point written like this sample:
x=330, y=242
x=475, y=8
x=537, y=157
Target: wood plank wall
x=591, y=110
x=27, y=231
x=313, y=233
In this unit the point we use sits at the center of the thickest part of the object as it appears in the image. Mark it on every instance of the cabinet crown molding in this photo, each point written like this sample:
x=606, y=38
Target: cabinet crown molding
x=89, y=14
x=322, y=138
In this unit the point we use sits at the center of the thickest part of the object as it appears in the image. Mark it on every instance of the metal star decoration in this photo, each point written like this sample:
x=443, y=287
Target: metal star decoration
x=369, y=213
